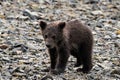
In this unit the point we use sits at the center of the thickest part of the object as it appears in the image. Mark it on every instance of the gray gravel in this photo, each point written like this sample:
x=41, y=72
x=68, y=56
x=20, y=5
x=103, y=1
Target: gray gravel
x=23, y=54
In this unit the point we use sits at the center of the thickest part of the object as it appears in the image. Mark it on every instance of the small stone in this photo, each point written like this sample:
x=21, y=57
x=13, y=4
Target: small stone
x=47, y=77
x=32, y=45
x=113, y=35
x=18, y=17
x=107, y=37
x=118, y=36
x=2, y=16
x=117, y=44
x=93, y=32
x=4, y=46
x=18, y=74
x=18, y=52
x=10, y=17
x=3, y=35
x=100, y=44
x=118, y=32
x=73, y=3
x=116, y=71
x=21, y=17
x=100, y=25
x=32, y=15
x=91, y=1
x=6, y=59
x=97, y=12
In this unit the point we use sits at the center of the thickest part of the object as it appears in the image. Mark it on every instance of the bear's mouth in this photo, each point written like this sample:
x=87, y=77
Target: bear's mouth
x=50, y=47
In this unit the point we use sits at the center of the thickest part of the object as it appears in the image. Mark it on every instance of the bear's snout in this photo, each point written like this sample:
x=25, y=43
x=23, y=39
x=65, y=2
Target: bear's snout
x=48, y=45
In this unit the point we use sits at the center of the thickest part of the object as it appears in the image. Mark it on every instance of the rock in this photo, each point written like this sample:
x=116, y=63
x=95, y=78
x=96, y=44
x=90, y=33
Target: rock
x=118, y=36
x=18, y=17
x=107, y=37
x=2, y=16
x=97, y=12
x=47, y=77
x=19, y=74
x=3, y=35
x=21, y=17
x=32, y=15
x=91, y=1
x=50, y=77
x=116, y=71
x=115, y=16
x=21, y=46
x=100, y=25
x=117, y=44
x=3, y=46
x=93, y=32
x=38, y=40
x=32, y=46
x=118, y=32
x=73, y=3
x=118, y=24
x=7, y=59
x=113, y=35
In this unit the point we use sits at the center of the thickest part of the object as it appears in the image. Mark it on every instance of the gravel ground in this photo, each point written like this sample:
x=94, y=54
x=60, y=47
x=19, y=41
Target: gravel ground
x=23, y=54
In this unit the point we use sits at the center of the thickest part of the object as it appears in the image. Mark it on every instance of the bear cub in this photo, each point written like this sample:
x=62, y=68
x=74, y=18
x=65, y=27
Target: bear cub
x=65, y=38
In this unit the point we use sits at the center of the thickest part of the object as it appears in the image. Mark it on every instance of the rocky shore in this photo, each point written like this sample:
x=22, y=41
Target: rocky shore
x=23, y=54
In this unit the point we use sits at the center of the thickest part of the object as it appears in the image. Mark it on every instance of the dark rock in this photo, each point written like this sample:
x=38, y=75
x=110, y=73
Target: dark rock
x=110, y=0
x=47, y=77
x=91, y=1
x=117, y=44
x=32, y=15
x=116, y=71
x=100, y=25
x=38, y=40
x=4, y=46
x=6, y=59
x=17, y=45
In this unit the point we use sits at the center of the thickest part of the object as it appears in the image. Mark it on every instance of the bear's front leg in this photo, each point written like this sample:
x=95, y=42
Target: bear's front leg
x=53, y=60
x=62, y=59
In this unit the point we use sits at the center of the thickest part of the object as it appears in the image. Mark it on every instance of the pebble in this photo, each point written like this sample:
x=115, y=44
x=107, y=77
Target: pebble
x=31, y=15
x=6, y=59
x=100, y=25
x=32, y=46
x=91, y=1
x=107, y=37
x=118, y=36
x=117, y=44
x=47, y=78
x=3, y=46
x=17, y=17
x=97, y=12
x=115, y=71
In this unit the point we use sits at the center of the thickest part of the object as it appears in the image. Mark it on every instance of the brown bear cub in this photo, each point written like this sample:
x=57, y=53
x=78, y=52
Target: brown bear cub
x=65, y=38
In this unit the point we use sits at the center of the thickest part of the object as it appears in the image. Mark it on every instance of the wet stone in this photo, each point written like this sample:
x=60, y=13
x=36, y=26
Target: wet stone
x=91, y=1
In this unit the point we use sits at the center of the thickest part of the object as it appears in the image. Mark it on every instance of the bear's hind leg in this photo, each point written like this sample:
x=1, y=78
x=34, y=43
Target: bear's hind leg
x=75, y=54
x=86, y=52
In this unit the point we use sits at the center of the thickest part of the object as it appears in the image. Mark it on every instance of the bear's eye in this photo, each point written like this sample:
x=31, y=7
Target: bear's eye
x=45, y=36
x=53, y=37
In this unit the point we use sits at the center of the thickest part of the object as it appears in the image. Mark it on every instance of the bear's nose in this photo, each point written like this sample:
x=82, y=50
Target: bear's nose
x=48, y=45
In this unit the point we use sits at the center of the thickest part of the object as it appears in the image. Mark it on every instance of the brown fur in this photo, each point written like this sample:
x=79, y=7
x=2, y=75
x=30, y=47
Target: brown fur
x=63, y=39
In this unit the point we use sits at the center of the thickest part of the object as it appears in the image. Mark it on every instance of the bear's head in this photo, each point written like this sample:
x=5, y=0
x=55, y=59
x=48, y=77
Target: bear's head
x=52, y=33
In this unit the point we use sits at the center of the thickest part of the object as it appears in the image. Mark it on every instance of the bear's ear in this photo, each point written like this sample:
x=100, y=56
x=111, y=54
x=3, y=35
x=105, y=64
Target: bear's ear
x=61, y=25
x=43, y=25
